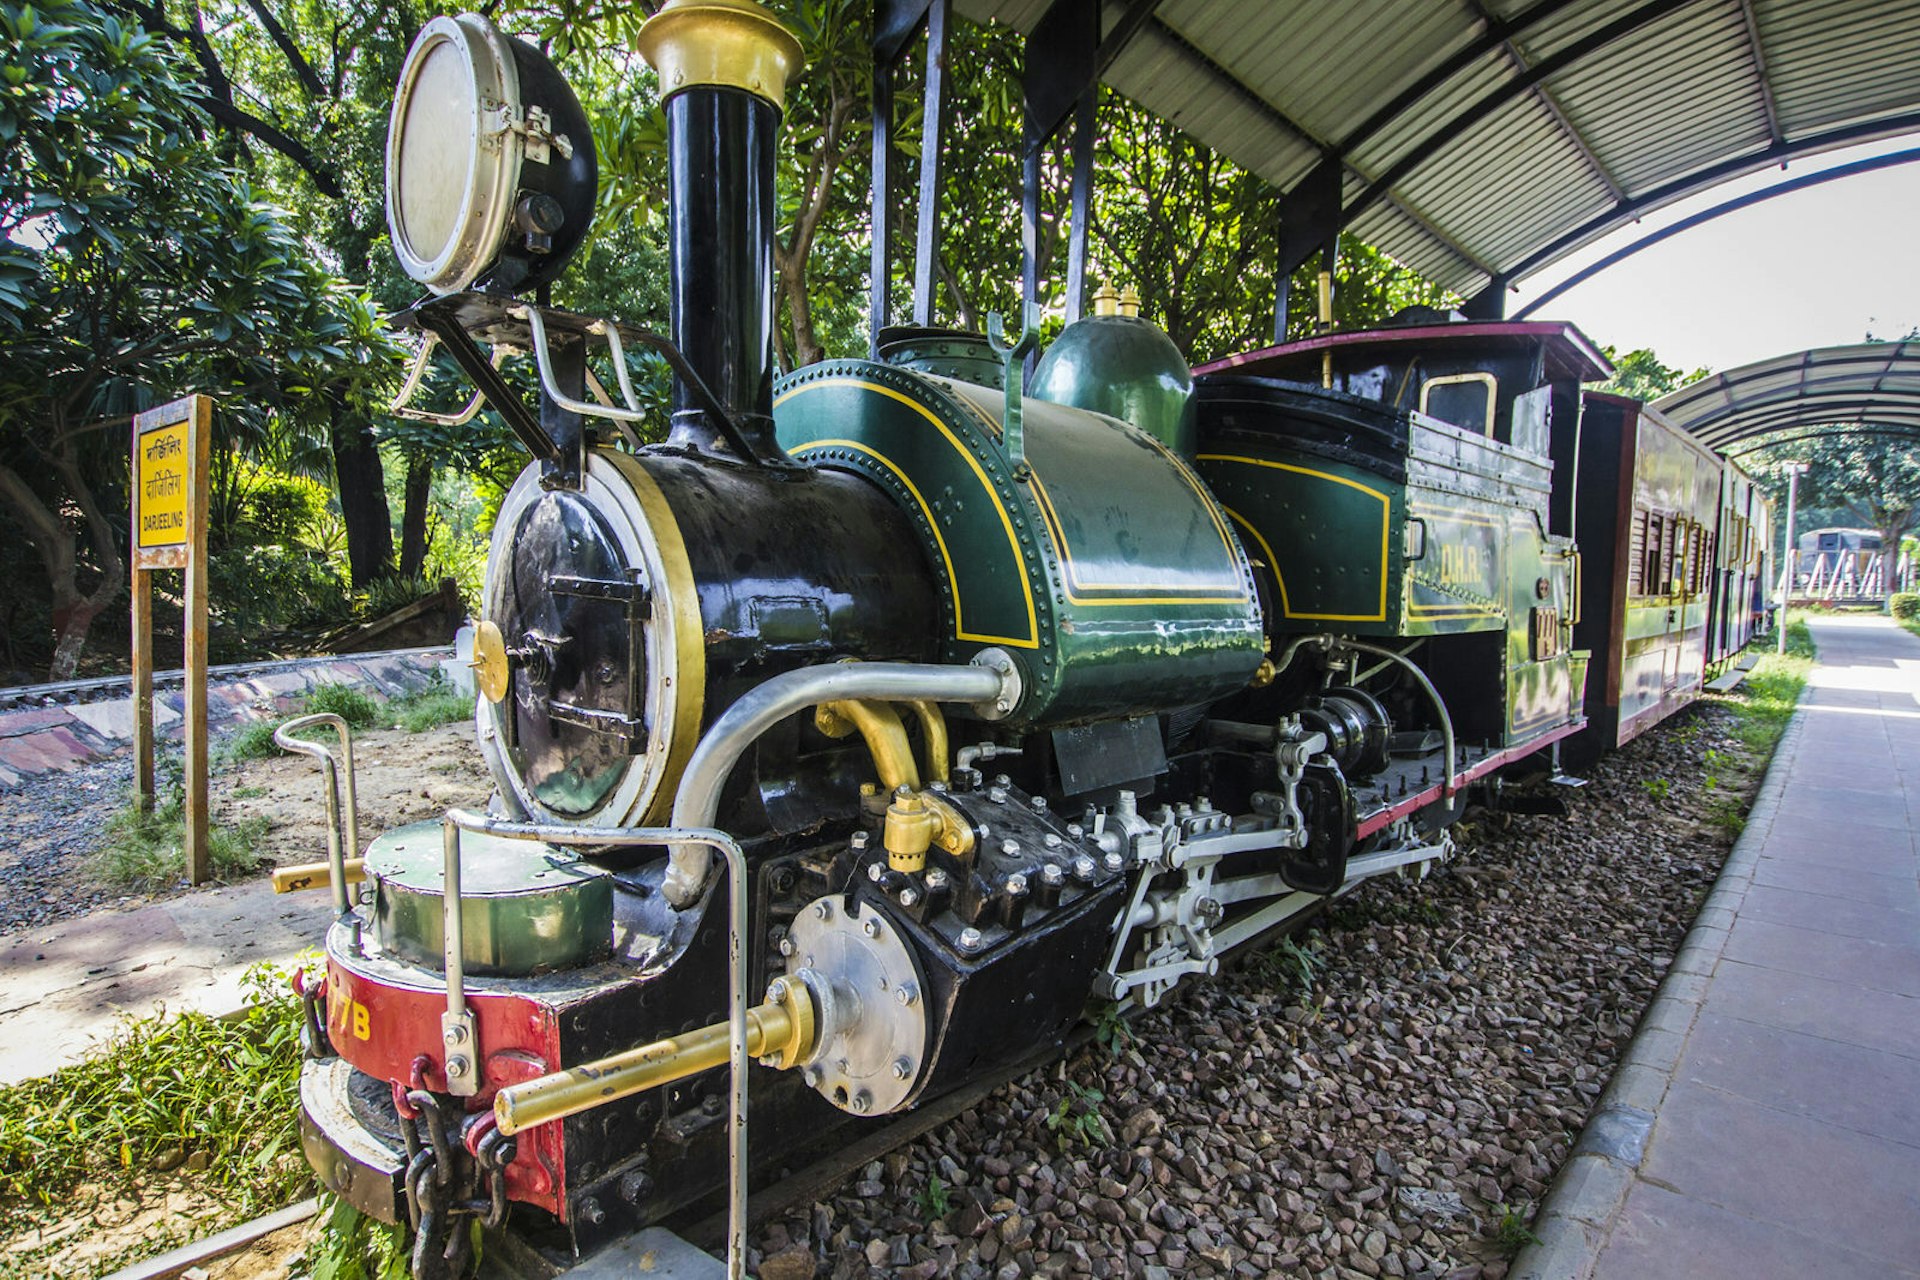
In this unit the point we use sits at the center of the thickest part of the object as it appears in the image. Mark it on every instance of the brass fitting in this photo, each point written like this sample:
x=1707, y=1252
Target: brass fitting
x=933, y=729
x=886, y=737
x=735, y=44
x=909, y=831
x=918, y=820
x=1263, y=674
x=315, y=875
x=1129, y=301
x=1106, y=302
x=782, y=1029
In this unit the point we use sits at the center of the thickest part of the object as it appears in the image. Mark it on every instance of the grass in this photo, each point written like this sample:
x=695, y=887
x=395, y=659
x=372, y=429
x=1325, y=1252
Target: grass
x=1764, y=701
x=1512, y=1234
x=437, y=704
x=146, y=850
x=209, y=1100
x=352, y=1246
x=933, y=1201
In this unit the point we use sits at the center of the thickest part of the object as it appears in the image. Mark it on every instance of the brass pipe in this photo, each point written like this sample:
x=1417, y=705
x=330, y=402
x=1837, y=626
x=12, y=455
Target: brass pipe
x=315, y=875
x=886, y=737
x=781, y=1029
x=933, y=727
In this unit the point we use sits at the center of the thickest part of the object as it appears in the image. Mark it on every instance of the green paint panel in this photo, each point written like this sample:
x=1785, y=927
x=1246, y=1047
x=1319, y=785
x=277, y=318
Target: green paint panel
x=1324, y=529
x=525, y=907
x=1099, y=562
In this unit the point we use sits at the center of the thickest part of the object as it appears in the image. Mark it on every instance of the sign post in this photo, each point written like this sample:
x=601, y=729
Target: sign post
x=171, y=447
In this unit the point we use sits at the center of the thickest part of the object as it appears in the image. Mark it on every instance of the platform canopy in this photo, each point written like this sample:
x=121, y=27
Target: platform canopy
x=1478, y=141
x=1871, y=387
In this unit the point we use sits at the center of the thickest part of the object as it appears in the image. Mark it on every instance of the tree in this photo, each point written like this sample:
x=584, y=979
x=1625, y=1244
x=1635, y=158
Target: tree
x=1875, y=478
x=135, y=268
x=1641, y=374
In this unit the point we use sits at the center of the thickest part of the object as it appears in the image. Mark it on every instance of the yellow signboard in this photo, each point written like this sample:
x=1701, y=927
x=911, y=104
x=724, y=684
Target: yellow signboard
x=162, y=459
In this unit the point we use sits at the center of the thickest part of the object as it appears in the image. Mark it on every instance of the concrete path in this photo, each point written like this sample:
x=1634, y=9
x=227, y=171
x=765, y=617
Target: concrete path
x=64, y=988
x=1766, y=1122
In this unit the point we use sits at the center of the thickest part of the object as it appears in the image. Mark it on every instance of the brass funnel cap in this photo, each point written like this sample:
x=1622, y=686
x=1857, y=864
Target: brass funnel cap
x=733, y=43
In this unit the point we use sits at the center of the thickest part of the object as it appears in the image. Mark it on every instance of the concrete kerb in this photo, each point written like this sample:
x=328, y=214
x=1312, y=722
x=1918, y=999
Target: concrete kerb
x=1573, y=1222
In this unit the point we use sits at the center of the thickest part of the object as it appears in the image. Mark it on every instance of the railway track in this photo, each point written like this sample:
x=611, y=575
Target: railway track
x=63, y=693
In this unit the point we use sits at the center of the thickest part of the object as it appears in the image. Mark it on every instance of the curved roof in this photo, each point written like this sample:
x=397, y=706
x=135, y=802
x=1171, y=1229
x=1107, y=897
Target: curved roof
x=1872, y=386
x=1478, y=141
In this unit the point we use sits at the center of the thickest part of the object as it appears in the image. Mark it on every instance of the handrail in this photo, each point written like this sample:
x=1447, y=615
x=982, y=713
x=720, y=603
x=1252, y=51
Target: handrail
x=336, y=856
x=739, y=999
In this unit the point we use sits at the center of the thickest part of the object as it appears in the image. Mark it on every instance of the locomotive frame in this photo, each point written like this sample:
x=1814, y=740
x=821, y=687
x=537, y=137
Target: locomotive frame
x=1238, y=638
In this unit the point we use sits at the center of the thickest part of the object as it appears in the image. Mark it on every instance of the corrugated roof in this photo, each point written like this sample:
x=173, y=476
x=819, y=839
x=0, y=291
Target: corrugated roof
x=1538, y=125
x=1873, y=384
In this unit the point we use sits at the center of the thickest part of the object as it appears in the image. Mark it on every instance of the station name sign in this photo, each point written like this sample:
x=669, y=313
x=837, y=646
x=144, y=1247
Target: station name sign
x=169, y=451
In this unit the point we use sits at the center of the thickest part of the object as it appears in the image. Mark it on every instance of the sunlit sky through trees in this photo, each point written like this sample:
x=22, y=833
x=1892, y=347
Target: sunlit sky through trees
x=1815, y=268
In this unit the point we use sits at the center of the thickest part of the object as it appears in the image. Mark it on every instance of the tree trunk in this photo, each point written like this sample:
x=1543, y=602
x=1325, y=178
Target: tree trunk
x=73, y=611
x=363, y=500
x=413, y=517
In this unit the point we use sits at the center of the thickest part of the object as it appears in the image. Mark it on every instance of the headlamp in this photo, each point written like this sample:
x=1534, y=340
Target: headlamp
x=490, y=163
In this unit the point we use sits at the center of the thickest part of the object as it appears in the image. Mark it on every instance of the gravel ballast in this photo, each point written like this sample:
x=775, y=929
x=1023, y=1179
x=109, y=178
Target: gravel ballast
x=1394, y=1104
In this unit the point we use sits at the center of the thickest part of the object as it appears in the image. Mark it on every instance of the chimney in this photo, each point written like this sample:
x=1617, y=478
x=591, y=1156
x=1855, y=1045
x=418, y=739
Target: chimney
x=724, y=66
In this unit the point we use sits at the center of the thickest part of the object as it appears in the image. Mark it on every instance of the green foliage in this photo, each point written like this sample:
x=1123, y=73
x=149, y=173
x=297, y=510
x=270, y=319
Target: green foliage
x=1076, y=1118
x=352, y=1246
x=254, y=741
x=1765, y=700
x=262, y=591
x=358, y=709
x=146, y=850
x=1641, y=374
x=433, y=706
x=933, y=1201
x=138, y=266
x=1110, y=1028
x=1904, y=605
x=1512, y=1233
x=217, y=1096
x=1658, y=788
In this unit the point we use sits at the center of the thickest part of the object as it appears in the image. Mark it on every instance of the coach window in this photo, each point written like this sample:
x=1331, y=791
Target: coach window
x=1464, y=399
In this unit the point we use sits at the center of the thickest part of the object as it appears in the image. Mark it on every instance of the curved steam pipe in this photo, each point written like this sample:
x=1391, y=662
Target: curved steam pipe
x=993, y=691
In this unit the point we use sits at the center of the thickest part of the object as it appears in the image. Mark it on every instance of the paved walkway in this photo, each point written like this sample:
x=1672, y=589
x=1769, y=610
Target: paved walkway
x=65, y=988
x=1766, y=1122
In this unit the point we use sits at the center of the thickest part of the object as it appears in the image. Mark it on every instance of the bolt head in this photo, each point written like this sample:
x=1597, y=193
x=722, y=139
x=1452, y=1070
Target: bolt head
x=861, y=1102
x=907, y=993
x=874, y=872
x=1114, y=861
x=858, y=840
x=870, y=927
x=1083, y=867
x=997, y=794
x=1052, y=873
x=1017, y=883
x=903, y=792
x=810, y=1076
x=936, y=879
x=902, y=1068
x=786, y=946
x=456, y=1033
x=824, y=909
x=459, y=1066
x=1009, y=846
x=1050, y=840
x=969, y=938
x=1039, y=803
x=909, y=896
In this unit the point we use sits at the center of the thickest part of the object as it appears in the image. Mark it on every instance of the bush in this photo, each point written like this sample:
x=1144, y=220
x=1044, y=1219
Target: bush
x=259, y=590
x=1905, y=605
x=359, y=710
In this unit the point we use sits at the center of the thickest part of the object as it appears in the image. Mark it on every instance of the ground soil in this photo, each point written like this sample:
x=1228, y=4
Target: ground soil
x=51, y=827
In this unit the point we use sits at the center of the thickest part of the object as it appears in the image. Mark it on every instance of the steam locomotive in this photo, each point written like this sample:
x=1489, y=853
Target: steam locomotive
x=848, y=743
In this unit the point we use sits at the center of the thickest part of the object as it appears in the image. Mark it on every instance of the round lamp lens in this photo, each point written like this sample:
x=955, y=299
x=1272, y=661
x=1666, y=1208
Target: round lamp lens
x=435, y=153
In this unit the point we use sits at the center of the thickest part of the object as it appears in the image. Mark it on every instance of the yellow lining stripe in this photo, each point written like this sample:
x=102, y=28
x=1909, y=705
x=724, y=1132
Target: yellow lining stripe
x=1386, y=529
x=1452, y=612
x=1006, y=522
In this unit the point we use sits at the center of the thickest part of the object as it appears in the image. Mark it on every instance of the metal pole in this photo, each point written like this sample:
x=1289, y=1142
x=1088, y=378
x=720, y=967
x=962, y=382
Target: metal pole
x=1790, y=556
x=738, y=996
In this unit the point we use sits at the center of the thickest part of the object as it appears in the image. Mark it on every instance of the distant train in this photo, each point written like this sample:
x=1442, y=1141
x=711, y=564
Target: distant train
x=990, y=703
